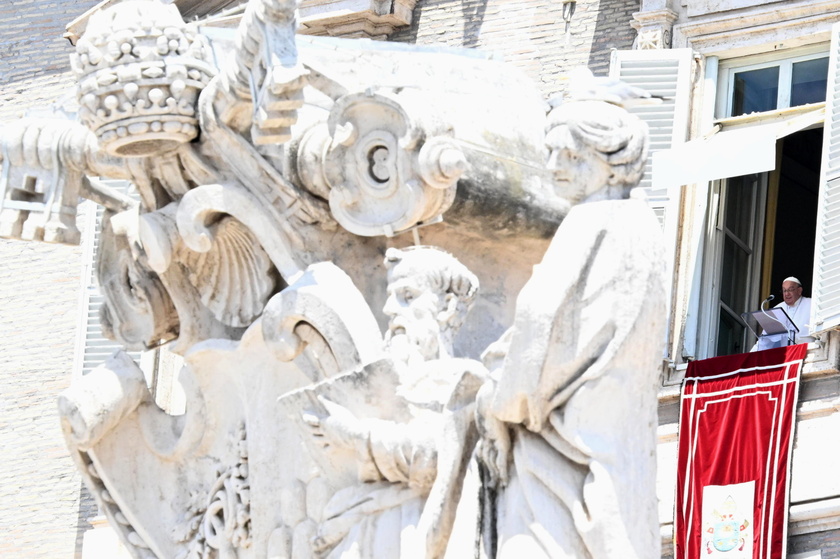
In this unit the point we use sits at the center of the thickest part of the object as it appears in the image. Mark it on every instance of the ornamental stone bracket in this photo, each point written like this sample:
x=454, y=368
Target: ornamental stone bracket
x=367, y=19
x=653, y=25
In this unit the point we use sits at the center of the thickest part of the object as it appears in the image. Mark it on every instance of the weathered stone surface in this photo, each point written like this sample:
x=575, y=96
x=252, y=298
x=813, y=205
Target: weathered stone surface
x=256, y=252
x=568, y=417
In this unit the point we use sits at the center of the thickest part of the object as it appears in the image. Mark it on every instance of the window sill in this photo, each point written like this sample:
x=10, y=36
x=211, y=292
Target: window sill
x=821, y=360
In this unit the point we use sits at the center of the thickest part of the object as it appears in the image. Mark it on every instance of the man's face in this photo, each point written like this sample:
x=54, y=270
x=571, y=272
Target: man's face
x=413, y=309
x=791, y=291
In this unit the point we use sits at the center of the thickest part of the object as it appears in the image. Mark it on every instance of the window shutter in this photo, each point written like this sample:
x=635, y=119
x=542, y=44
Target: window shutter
x=825, y=307
x=93, y=347
x=666, y=73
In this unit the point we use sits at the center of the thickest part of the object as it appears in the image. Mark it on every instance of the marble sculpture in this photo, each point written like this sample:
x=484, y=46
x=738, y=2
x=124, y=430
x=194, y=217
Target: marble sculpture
x=294, y=197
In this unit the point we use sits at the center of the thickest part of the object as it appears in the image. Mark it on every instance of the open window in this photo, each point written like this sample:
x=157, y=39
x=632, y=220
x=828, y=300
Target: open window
x=762, y=224
x=762, y=229
x=757, y=85
x=765, y=201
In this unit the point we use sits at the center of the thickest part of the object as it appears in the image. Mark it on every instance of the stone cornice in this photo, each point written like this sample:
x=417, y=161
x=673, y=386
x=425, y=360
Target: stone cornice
x=641, y=19
x=816, y=516
x=375, y=19
x=740, y=34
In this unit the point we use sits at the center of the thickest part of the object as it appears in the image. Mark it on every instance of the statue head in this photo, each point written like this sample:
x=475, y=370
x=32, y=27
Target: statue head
x=429, y=295
x=137, y=310
x=597, y=150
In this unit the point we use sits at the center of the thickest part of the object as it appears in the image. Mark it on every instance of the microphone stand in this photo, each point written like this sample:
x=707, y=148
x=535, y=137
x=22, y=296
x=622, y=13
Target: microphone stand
x=746, y=322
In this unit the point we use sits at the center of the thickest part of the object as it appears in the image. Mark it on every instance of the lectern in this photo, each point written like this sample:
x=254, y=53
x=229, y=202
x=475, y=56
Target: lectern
x=774, y=327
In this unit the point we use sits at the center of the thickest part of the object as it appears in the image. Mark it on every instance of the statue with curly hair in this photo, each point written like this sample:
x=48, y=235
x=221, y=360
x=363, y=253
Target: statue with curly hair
x=429, y=296
x=411, y=473
x=568, y=420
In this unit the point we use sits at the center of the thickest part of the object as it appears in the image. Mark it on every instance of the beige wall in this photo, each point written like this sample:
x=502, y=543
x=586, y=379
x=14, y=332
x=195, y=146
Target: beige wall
x=43, y=508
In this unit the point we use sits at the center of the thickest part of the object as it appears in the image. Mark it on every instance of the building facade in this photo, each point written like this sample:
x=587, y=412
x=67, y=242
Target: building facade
x=45, y=509
x=747, y=202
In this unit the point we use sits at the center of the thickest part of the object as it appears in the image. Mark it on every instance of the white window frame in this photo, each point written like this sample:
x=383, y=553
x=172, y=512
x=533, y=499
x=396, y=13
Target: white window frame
x=785, y=62
x=712, y=260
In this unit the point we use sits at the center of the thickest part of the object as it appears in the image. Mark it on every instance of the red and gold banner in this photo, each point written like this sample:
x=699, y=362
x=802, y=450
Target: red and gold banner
x=736, y=434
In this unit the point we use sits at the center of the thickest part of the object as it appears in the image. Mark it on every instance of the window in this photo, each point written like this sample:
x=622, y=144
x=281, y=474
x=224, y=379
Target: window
x=762, y=232
x=755, y=86
x=759, y=195
x=739, y=254
x=762, y=226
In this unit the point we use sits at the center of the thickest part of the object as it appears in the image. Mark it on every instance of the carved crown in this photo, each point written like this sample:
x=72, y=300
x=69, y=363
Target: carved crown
x=140, y=70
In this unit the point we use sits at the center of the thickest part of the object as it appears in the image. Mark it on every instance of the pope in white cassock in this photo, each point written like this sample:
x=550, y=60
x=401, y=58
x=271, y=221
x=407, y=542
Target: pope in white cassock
x=798, y=309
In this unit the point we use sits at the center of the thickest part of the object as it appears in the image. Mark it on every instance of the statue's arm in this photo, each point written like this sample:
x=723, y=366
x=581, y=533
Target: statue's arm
x=396, y=452
x=402, y=452
x=564, y=324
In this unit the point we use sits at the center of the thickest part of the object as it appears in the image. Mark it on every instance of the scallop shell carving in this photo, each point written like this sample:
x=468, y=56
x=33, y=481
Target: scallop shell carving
x=235, y=277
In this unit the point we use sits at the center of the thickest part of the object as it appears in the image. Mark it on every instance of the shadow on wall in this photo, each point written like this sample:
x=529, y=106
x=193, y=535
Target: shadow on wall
x=87, y=510
x=408, y=34
x=472, y=10
x=612, y=30
x=473, y=19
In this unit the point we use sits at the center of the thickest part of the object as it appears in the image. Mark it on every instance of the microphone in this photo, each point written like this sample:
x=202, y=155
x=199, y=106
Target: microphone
x=767, y=300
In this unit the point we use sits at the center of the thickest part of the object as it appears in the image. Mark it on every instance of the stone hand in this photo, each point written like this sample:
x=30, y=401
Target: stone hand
x=338, y=427
x=494, y=447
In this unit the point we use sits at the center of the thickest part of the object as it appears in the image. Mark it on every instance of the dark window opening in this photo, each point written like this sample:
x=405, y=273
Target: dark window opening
x=795, y=214
x=786, y=244
x=809, y=82
x=756, y=91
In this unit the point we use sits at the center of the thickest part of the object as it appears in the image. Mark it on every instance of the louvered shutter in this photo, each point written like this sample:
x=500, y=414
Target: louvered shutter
x=94, y=348
x=825, y=306
x=666, y=73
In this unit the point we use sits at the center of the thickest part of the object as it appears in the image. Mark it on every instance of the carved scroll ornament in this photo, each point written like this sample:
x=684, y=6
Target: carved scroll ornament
x=382, y=172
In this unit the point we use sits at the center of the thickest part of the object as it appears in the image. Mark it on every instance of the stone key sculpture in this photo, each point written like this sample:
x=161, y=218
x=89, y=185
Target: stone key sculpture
x=272, y=175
